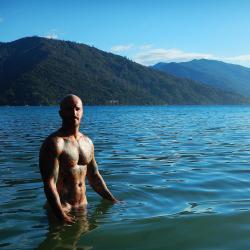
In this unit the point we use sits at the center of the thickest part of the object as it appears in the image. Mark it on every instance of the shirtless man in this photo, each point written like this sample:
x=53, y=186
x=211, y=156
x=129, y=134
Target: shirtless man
x=66, y=158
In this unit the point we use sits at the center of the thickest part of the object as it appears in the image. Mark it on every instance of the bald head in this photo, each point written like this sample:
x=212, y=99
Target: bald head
x=68, y=99
x=71, y=110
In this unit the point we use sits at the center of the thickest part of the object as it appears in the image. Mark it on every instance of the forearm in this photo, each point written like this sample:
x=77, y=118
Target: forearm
x=98, y=184
x=54, y=201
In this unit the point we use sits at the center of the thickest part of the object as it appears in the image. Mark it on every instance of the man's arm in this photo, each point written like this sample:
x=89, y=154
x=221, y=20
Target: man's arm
x=96, y=181
x=49, y=168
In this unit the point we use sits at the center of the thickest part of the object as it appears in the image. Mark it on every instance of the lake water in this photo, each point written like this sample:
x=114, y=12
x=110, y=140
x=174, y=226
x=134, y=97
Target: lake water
x=183, y=173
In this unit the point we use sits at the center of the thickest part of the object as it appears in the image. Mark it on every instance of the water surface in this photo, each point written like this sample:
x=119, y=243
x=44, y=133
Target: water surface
x=183, y=172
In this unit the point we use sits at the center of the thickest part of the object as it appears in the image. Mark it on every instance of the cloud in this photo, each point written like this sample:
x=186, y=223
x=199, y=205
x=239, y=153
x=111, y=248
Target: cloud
x=147, y=54
x=121, y=48
x=1, y=19
x=241, y=58
x=152, y=56
x=146, y=46
x=52, y=36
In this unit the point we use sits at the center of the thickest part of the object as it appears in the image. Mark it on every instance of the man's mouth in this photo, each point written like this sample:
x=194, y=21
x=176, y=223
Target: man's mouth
x=73, y=119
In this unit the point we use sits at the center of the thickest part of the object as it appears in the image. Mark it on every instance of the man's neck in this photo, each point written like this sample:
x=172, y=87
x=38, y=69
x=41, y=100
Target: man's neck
x=70, y=131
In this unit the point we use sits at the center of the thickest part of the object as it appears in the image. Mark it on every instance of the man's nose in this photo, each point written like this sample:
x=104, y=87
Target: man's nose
x=75, y=112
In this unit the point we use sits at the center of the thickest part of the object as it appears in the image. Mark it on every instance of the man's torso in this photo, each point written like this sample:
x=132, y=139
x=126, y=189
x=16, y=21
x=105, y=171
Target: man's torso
x=75, y=156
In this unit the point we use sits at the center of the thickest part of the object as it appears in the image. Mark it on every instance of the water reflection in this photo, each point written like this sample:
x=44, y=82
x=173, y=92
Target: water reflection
x=186, y=169
x=65, y=236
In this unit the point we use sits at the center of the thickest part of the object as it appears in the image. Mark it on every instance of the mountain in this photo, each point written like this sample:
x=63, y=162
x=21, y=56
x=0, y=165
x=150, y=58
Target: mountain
x=40, y=71
x=226, y=76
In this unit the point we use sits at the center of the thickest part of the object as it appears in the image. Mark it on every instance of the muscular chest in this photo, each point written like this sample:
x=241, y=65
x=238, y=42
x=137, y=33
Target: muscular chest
x=76, y=153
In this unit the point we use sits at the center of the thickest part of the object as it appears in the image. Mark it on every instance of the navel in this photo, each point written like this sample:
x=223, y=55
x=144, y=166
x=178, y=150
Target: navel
x=80, y=184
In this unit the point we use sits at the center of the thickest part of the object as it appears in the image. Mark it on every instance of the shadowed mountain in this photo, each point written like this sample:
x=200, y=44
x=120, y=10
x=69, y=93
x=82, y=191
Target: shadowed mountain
x=226, y=76
x=40, y=71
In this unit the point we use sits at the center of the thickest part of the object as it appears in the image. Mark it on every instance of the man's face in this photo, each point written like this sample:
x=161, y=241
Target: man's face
x=71, y=112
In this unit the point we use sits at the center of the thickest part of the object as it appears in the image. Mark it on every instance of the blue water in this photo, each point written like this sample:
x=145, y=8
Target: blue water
x=183, y=173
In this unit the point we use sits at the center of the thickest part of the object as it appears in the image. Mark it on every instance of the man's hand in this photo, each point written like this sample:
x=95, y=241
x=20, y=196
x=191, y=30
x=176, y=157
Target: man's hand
x=68, y=218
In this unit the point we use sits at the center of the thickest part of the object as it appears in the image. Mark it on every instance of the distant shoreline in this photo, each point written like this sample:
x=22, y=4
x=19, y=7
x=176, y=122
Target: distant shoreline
x=131, y=105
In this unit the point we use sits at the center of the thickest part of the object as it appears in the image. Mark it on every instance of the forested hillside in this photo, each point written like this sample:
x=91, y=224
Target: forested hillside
x=40, y=71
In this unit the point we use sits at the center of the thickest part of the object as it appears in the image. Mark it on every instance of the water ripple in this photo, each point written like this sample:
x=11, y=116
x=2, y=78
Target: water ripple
x=178, y=169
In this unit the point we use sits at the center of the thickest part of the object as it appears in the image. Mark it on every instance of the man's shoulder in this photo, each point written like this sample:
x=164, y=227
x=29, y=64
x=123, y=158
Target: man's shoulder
x=55, y=137
x=53, y=142
x=85, y=138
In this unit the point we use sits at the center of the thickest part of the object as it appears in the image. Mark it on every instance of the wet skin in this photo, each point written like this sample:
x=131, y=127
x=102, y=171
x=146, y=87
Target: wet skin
x=66, y=158
x=75, y=156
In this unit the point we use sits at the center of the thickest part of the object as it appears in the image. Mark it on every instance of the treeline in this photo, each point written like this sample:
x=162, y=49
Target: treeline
x=40, y=71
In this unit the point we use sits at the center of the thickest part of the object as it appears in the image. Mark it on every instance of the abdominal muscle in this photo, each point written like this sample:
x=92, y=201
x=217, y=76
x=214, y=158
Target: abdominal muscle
x=71, y=187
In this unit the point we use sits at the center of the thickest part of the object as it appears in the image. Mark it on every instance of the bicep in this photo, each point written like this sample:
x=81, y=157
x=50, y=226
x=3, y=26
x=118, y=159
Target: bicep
x=48, y=163
x=92, y=168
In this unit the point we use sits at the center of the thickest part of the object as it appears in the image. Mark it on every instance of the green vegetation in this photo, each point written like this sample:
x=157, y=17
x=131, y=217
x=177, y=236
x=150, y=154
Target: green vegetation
x=224, y=76
x=40, y=71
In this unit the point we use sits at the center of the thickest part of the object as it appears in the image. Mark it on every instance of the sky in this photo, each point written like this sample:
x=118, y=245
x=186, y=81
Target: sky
x=145, y=31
